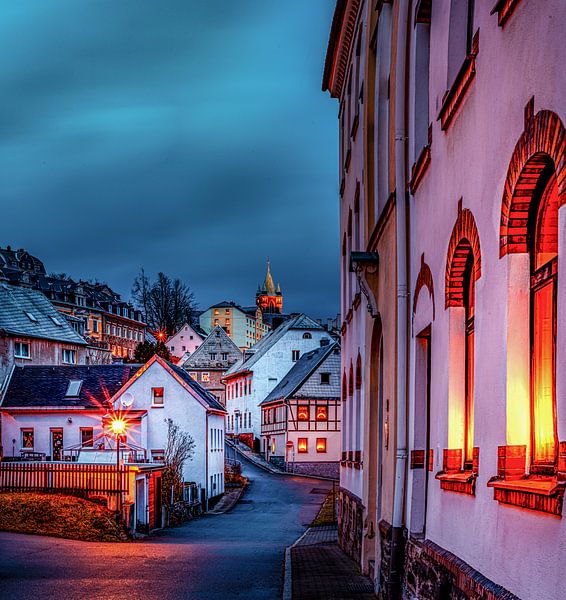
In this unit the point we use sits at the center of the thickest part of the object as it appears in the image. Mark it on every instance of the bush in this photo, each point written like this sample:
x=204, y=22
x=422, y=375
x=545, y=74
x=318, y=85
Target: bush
x=59, y=516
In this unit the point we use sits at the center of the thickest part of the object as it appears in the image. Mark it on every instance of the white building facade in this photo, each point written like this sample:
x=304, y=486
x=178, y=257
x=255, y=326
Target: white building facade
x=184, y=342
x=250, y=381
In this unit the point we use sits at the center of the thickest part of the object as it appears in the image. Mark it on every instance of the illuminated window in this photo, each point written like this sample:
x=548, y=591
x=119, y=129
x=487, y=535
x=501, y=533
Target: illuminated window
x=22, y=350
x=321, y=444
x=216, y=311
x=193, y=375
x=321, y=413
x=205, y=376
x=303, y=445
x=469, y=303
x=157, y=396
x=272, y=445
x=544, y=266
x=27, y=438
x=303, y=413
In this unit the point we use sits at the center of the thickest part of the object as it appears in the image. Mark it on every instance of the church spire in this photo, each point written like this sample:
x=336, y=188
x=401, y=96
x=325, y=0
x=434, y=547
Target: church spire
x=268, y=285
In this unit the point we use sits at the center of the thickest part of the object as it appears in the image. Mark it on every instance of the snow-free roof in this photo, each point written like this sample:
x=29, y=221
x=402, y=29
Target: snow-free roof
x=48, y=386
x=300, y=321
x=300, y=372
x=27, y=312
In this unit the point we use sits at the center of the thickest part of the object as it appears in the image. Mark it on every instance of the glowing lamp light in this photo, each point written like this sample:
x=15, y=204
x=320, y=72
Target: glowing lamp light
x=118, y=426
x=302, y=445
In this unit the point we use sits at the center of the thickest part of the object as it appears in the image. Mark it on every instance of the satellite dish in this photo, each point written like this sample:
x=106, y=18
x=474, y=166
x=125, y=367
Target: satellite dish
x=127, y=399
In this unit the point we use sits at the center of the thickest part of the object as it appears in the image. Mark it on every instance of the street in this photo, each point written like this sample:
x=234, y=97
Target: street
x=235, y=555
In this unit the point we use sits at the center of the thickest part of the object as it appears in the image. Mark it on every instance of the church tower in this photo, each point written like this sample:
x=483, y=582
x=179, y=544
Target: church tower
x=267, y=298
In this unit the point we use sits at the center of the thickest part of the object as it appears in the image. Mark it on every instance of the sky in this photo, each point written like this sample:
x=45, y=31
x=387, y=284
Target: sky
x=185, y=136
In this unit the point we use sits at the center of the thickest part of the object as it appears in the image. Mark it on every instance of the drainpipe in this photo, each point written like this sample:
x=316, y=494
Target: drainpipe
x=397, y=544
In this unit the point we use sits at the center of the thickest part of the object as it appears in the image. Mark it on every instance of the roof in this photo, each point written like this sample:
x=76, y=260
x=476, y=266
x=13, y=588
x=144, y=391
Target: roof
x=219, y=342
x=29, y=313
x=339, y=46
x=34, y=386
x=300, y=372
x=196, y=387
x=300, y=321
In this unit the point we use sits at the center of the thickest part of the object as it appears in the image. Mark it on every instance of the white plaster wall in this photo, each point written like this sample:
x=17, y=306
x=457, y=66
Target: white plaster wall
x=41, y=424
x=180, y=406
x=522, y=550
x=182, y=339
x=269, y=370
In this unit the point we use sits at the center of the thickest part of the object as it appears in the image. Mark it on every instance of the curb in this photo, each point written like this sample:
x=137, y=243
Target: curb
x=288, y=567
x=232, y=504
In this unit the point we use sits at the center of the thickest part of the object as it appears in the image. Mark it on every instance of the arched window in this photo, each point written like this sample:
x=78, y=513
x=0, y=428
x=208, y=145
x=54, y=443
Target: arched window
x=469, y=303
x=544, y=262
x=307, y=335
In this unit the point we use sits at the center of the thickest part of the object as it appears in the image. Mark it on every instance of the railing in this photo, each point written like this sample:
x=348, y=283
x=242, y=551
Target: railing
x=72, y=478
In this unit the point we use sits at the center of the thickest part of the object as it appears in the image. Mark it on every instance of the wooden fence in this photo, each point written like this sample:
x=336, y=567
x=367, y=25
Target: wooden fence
x=72, y=478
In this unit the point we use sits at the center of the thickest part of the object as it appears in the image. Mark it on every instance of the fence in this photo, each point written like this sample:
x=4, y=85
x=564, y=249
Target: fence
x=72, y=478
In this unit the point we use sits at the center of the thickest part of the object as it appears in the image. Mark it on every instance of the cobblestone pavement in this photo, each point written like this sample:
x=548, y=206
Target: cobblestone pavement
x=321, y=571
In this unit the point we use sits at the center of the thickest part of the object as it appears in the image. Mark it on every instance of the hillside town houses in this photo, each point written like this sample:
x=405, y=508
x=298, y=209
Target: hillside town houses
x=453, y=237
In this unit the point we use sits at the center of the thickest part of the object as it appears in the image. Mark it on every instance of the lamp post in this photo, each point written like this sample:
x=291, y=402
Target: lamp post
x=118, y=427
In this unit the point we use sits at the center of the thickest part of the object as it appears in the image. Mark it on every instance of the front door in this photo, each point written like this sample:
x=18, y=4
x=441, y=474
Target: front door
x=140, y=502
x=56, y=444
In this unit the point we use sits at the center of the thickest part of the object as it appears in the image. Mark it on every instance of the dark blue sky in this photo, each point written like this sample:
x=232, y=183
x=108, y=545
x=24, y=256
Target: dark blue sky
x=190, y=137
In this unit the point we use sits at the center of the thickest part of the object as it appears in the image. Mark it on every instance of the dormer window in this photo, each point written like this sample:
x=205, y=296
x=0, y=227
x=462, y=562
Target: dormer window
x=74, y=388
x=30, y=316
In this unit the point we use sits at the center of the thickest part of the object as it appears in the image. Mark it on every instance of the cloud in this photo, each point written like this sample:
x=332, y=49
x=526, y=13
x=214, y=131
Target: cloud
x=188, y=137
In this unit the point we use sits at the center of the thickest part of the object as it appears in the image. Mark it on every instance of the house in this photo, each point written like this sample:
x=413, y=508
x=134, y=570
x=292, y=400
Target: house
x=253, y=377
x=211, y=360
x=453, y=294
x=184, y=342
x=300, y=418
x=243, y=324
x=55, y=411
x=97, y=312
x=33, y=332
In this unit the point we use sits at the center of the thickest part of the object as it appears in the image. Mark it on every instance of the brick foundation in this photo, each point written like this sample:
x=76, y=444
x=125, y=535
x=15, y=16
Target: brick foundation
x=432, y=573
x=350, y=524
x=316, y=469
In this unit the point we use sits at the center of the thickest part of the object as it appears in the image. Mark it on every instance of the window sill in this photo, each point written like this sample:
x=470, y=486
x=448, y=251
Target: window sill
x=157, y=406
x=543, y=494
x=455, y=95
x=504, y=9
x=421, y=165
x=462, y=482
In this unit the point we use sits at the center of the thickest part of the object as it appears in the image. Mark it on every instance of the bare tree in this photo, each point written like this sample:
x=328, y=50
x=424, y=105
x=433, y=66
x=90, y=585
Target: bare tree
x=166, y=303
x=180, y=448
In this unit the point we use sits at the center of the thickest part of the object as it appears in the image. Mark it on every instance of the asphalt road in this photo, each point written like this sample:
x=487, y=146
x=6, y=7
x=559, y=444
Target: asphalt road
x=235, y=555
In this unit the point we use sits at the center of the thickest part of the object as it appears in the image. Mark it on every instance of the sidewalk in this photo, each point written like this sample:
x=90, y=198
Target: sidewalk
x=255, y=459
x=319, y=570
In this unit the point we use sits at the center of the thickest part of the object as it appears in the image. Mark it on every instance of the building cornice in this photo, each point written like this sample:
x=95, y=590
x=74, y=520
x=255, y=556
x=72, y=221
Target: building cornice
x=339, y=46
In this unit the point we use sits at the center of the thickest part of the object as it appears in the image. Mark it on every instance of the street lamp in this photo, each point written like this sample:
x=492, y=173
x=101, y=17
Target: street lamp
x=118, y=428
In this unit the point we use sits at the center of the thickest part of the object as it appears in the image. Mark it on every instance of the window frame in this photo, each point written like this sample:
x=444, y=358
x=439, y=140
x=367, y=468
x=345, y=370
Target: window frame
x=155, y=395
x=21, y=343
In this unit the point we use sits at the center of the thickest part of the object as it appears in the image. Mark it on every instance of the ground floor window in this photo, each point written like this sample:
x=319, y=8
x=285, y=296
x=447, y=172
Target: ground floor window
x=303, y=445
x=321, y=444
x=87, y=437
x=27, y=438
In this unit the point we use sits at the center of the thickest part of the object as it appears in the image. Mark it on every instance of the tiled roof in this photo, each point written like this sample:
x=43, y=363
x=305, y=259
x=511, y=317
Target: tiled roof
x=219, y=342
x=29, y=313
x=300, y=321
x=204, y=394
x=301, y=371
x=34, y=386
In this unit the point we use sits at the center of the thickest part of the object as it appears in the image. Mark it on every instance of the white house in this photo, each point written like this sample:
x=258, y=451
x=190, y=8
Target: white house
x=50, y=412
x=184, y=342
x=250, y=380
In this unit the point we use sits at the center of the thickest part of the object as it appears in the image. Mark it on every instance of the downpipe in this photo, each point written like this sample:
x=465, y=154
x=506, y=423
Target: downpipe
x=397, y=532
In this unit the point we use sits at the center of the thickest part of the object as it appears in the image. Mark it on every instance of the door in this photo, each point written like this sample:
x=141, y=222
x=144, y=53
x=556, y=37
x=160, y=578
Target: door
x=56, y=444
x=158, y=522
x=140, y=502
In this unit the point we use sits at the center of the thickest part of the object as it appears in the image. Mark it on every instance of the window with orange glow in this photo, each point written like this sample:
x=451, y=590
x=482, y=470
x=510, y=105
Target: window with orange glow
x=469, y=304
x=321, y=413
x=544, y=254
x=303, y=445
x=303, y=413
x=321, y=444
